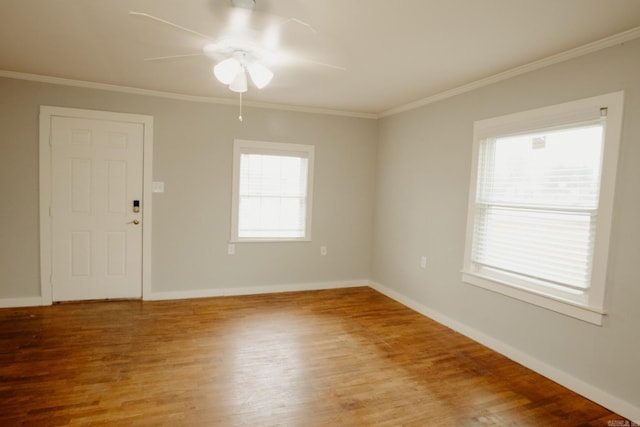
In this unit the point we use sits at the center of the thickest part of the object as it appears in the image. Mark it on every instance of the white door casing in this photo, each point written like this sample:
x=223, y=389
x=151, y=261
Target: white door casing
x=93, y=166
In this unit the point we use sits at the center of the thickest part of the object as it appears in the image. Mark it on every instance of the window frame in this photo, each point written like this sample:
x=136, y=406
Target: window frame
x=242, y=146
x=592, y=309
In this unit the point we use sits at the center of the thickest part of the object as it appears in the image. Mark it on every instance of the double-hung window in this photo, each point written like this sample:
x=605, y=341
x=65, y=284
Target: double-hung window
x=272, y=191
x=540, y=204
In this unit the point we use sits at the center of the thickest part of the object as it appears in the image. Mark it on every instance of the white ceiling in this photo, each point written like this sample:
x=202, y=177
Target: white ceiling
x=394, y=52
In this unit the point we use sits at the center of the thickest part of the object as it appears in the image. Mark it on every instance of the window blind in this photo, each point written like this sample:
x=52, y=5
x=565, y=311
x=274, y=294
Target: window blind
x=272, y=196
x=536, y=206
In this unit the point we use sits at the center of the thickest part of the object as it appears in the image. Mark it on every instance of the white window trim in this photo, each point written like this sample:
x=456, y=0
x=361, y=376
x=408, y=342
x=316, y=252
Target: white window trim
x=592, y=310
x=241, y=146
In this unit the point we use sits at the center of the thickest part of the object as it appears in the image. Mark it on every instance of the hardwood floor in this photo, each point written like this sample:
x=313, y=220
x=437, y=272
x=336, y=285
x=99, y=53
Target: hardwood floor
x=347, y=357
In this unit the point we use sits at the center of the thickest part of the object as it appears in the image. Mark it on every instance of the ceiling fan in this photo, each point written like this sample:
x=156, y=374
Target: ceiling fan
x=239, y=50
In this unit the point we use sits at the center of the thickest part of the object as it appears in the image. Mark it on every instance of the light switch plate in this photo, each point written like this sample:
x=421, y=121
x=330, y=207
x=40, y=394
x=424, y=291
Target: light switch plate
x=158, y=187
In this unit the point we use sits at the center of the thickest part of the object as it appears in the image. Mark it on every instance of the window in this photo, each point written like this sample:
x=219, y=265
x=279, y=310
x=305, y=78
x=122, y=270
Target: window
x=272, y=185
x=540, y=204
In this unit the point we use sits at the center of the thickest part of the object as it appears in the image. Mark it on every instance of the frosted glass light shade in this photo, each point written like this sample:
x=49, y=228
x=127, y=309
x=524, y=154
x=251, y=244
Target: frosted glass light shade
x=227, y=70
x=244, y=4
x=239, y=83
x=260, y=75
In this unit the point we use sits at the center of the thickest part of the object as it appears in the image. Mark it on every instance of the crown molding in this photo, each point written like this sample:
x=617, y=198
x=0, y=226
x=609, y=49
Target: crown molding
x=610, y=41
x=180, y=97
x=614, y=40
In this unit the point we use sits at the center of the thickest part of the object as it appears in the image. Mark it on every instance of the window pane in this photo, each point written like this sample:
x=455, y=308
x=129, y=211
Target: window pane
x=553, y=246
x=548, y=168
x=262, y=217
x=273, y=175
x=272, y=199
x=536, y=204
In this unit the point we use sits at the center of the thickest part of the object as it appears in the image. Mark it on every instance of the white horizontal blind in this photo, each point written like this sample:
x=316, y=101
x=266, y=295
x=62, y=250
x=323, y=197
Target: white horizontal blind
x=536, y=207
x=272, y=196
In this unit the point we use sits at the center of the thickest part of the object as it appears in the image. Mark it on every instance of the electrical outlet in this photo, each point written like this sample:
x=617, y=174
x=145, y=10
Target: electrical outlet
x=423, y=262
x=231, y=249
x=323, y=250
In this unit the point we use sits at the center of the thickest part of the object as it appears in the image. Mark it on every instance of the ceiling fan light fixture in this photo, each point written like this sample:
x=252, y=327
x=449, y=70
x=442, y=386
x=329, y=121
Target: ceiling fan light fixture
x=227, y=71
x=260, y=75
x=239, y=83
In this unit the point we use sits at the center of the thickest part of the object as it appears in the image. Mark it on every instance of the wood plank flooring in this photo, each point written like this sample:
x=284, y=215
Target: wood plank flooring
x=347, y=357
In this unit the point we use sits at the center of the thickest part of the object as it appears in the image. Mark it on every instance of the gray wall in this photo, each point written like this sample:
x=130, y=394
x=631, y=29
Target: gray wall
x=423, y=172
x=193, y=156
x=416, y=181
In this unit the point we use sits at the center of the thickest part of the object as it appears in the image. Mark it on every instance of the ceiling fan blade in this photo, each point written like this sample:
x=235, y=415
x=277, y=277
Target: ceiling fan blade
x=322, y=64
x=170, y=57
x=155, y=19
x=299, y=22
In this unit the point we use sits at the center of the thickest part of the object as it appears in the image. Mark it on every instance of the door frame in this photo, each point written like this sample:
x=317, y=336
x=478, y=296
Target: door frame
x=45, y=159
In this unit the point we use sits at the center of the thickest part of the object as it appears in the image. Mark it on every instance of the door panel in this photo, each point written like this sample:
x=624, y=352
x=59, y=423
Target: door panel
x=116, y=254
x=96, y=175
x=81, y=254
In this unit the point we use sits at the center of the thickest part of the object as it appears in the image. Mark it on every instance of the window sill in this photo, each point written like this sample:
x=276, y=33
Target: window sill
x=588, y=314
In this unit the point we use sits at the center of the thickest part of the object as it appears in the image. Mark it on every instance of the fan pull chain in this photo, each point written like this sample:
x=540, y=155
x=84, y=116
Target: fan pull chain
x=240, y=115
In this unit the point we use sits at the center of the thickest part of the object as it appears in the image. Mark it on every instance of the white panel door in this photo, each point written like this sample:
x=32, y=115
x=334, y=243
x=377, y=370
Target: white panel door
x=96, y=236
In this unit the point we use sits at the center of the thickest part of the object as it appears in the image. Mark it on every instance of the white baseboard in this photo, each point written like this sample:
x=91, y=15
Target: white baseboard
x=613, y=403
x=20, y=302
x=211, y=292
x=252, y=290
